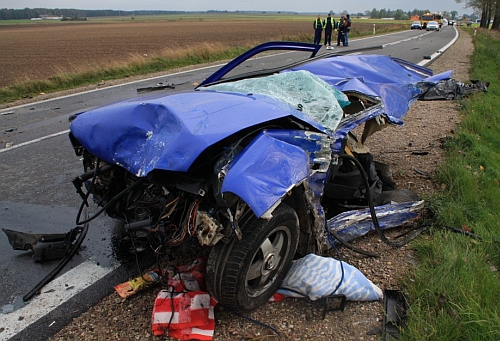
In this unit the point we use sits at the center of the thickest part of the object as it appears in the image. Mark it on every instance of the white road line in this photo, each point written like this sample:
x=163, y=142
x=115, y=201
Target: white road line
x=54, y=294
x=438, y=53
x=10, y=111
x=34, y=141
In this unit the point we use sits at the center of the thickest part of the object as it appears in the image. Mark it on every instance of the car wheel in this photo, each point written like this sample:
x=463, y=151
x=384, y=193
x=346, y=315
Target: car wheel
x=243, y=274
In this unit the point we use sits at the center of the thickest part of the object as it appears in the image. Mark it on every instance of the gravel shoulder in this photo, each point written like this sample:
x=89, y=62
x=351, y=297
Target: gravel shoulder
x=426, y=124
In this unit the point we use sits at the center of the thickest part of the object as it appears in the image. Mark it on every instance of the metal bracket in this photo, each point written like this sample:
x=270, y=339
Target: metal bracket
x=324, y=304
x=45, y=246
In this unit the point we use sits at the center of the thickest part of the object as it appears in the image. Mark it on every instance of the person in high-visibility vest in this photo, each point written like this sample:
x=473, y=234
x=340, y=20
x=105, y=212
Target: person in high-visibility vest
x=318, y=29
x=329, y=26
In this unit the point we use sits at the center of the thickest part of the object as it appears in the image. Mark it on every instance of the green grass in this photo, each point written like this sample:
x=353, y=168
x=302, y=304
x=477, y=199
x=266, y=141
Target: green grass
x=454, y=292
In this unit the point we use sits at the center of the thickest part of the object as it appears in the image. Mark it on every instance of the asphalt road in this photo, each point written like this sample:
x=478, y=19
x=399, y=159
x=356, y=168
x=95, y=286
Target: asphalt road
x=37, y=196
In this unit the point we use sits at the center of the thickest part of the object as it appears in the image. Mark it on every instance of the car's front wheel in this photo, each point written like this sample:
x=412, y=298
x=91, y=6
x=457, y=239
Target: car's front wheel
x=243, y=274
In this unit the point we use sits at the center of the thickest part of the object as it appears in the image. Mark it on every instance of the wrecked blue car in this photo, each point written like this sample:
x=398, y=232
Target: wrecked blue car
x=259, y=167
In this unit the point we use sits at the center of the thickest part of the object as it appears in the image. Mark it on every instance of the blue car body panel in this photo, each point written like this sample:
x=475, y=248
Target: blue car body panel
x=350, y=225
x=265, y=171
x=269, y=46
x=274, y=163
x=396, y=83
x=170, y=132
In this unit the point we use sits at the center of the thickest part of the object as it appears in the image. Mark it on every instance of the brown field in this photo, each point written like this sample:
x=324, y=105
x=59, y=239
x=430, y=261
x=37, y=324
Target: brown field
x=37, y=51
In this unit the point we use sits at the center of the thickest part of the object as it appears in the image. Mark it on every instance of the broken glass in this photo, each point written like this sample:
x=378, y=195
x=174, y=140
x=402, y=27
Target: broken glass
x=300, y=89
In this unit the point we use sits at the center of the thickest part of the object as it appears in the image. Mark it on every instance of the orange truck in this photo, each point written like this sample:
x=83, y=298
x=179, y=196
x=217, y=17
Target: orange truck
x=425, y=18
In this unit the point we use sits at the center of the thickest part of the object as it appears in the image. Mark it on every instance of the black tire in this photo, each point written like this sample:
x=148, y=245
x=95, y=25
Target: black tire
x=243, y=274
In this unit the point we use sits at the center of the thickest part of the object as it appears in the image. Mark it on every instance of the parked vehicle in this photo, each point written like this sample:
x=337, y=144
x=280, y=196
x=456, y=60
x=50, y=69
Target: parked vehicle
x=257, y=168
x=416, y=25
x=432, y=26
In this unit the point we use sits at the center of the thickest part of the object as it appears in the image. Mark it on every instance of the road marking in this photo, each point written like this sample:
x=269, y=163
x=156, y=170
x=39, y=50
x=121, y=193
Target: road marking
x=437, y=54
x=54, y=294
x=10, y=111
x=34, y=141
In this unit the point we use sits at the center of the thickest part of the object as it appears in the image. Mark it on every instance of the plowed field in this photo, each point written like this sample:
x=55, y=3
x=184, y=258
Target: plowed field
x=38, y=51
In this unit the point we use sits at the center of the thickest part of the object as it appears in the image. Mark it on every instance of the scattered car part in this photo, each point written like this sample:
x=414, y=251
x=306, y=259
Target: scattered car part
x=318, y=309
x=45, y=246
x=395, y=308
x=450, y=89
x=159, y=86
x=81, y=231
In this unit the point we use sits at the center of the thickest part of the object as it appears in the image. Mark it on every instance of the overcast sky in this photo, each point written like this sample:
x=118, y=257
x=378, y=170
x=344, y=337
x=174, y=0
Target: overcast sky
x=317, y=6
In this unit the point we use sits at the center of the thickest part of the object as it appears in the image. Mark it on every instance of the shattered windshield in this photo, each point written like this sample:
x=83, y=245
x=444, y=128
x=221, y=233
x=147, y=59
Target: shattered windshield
x=300, y=89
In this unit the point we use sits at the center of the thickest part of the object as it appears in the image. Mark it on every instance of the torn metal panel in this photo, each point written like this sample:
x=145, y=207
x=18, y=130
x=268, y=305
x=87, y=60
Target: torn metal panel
x=396, y=83
x=274, y=163
x=350, y=122
x=353, y=224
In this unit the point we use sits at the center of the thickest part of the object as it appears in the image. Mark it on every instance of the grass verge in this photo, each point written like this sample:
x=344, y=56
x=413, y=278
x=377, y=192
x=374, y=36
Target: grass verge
x=454, y=292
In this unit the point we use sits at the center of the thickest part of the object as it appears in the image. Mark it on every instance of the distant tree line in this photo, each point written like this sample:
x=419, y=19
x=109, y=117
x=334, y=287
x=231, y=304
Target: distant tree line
x=399, y=14
x=28, y=13
x=486, y=6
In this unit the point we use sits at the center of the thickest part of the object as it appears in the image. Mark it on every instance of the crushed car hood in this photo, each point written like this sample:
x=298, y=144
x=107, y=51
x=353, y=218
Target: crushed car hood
x=169, y=132
x=396, y=82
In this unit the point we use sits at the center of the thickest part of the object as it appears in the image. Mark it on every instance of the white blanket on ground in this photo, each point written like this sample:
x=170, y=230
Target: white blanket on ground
x=315, y=277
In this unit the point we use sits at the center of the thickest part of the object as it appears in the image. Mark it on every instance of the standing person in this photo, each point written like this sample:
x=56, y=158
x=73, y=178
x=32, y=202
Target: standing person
x=347, y=26
x=329, y=26
x=318, y=29
x=340, y=31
